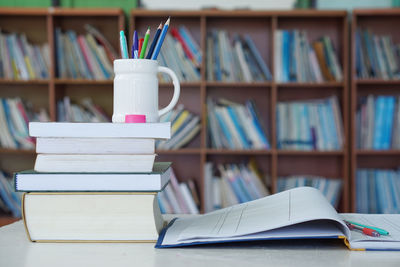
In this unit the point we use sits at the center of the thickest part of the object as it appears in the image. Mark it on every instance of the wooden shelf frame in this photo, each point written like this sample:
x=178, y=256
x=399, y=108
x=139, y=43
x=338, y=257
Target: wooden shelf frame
x=270, y=92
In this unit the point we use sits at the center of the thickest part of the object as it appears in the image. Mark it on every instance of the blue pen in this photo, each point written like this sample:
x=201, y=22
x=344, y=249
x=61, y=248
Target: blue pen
x=160, y=40
x=124, y=46
x=135, y=46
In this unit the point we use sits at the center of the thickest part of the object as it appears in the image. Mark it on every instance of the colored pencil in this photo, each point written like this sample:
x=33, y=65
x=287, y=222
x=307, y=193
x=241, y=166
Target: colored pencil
x=146, y=40
x=153, y=44
x=135, y=47
x=123, y=45
x=160, y=41
x=141, y=40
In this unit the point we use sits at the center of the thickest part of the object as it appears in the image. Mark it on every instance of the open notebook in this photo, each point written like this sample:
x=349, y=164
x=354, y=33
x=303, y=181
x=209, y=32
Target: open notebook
x=294, y=214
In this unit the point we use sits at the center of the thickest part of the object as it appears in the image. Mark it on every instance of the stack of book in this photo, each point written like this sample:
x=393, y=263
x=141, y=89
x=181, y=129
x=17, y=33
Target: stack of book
x=85, y=111
x=235, y=126
x=310, y=125
x=94, y=182
x=237, y=61
x=185, y=126
x=179, y=198
x=182, y=54
x=88, y=56
x=235, y=183
x=15, y=115
x=377, y=191
x=297, y=61
x=378, y=123
x=330, y=188
x=376, y=56
x=21, y=60
x=10, y=201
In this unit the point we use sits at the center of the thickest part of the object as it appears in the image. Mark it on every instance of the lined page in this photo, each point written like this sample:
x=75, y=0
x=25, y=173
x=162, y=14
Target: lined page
x=275, y=211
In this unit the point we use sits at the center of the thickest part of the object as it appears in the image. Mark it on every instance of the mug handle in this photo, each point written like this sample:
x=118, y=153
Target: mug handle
x=177, y=90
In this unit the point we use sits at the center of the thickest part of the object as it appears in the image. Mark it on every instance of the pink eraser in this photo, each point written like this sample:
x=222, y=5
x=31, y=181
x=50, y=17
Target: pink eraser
x=134, y=118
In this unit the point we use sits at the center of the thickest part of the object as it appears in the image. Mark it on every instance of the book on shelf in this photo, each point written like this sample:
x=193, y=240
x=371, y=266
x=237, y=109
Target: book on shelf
x=87, y=145
x=235, y=126
x=310, y=125
x=234, y=60
x=377, y=191
x=182, y=54
x=299, y=213
x=330, y=187
x=236, y=183
x=155, y=180
x=185, y=126
x=22, y=60
x=76, y=163
x=10, y=201
x=84, y=111
x=179, y=198
x=297, y=60
x=82, y=56
x=100, y=130
x=96, y=216
x=15, y=115
x=377, y=56
x=378, y=122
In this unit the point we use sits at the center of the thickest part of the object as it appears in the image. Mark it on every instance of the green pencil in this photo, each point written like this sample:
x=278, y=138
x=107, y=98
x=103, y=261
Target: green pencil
x=144, y=46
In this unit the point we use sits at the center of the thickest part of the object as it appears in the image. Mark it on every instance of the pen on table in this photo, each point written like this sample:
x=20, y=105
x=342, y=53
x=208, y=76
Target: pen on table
x=364, y=230
x=135, y=45
x=145, y=41
x=160, y=40
x=141, y=40
x=124, y=46
x=153, y=44
x=379, y=230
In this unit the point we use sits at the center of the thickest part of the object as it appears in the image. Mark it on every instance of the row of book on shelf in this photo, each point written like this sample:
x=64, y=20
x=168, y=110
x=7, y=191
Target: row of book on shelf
x=235, y=126
x=84, y=56
x=296, y=60
x=378, y=122
x=377, y=191
x=310, y=125
x=377, y=56
x=22, y=60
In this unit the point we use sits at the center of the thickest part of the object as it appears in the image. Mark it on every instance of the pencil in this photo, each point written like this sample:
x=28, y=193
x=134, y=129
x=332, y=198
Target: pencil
x=136, y=45
x=153, y=44
x=141, y=40
x=160, y=41
x=123, y=45
x=144, y=46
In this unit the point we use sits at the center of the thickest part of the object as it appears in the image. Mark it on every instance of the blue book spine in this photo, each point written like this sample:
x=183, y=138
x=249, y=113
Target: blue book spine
x=237, y=190
x=243, y=187
x=390, y=108
x=332, y=126
x=243, y=138
x=186, y=36
x=217, y=67
x=378, y=130
x=380, y=190
x=10, y=124
x=358, y=55
x=371, y=53
x=7, y=199
x=324, y=128
x=292, y=57
x=285, y=56
x=393, y=191
x=261, y=63
x=225, y=129
x=257, y=124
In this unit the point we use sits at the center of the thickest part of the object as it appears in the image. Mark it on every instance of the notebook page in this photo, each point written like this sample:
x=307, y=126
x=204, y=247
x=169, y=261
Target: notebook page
x=275, y=211
x=388, y=222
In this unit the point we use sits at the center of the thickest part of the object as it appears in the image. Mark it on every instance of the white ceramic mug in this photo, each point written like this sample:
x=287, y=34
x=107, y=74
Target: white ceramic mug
x=136, y=89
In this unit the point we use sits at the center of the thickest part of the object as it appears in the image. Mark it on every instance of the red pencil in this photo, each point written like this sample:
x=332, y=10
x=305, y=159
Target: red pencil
x=141, y=40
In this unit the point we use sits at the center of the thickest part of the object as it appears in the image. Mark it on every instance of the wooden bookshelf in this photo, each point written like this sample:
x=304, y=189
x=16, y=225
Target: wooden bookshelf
x=39, y=24
x=379, y=21
x=261, y=26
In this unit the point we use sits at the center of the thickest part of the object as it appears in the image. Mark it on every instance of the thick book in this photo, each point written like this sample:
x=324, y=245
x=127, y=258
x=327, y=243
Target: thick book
x=156, y=180
x=300, y=213
x=91, y=217
x=101, y=130
x=66, y=145
x=94, y=163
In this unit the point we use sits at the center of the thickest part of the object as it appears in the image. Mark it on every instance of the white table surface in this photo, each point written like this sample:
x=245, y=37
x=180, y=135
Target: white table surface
x=16, y=251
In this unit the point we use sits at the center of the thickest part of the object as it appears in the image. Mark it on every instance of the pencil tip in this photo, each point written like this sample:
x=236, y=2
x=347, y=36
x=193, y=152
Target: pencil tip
x=160, y=26
x=167, y=23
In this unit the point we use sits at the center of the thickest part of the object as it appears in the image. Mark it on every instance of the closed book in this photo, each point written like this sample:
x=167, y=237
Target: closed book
x=86, y=145
x=156, y=180
x=91, y=217
x=93, y=163
x=92, y=130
